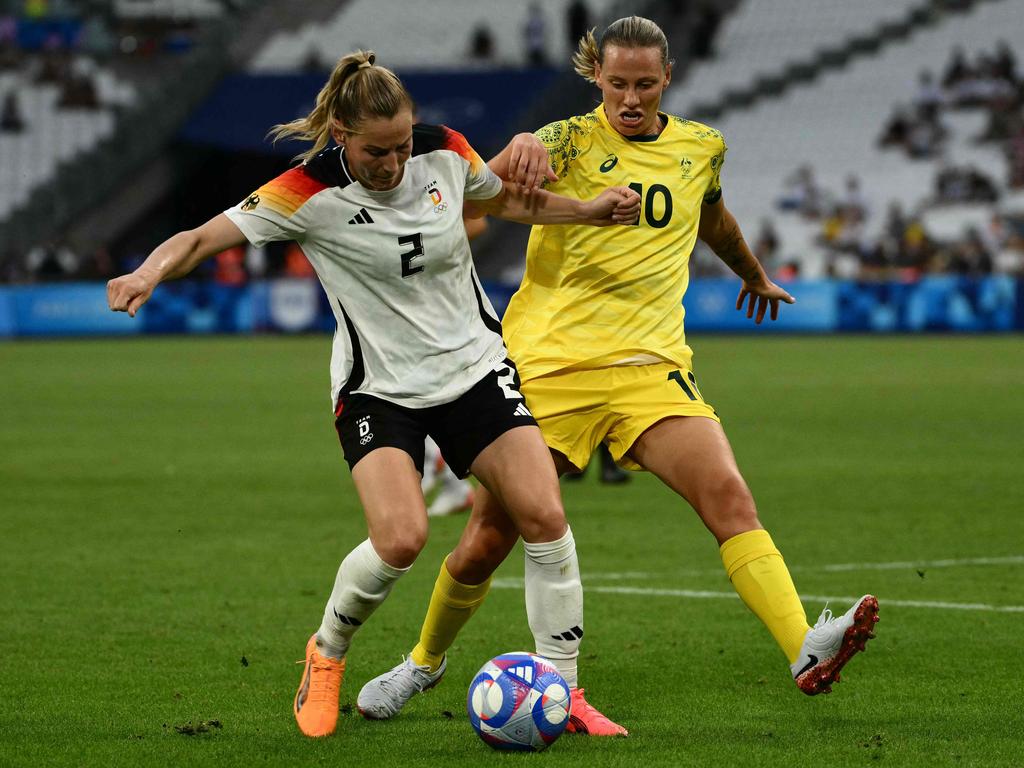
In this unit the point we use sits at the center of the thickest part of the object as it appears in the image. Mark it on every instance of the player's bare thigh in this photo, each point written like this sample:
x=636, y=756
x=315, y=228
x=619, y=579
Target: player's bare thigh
x=692, y=455
x=388, y=485
x=490, y=534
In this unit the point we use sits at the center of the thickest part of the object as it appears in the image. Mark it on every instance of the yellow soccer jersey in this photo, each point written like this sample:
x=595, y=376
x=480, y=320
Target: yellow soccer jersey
x=594, y=296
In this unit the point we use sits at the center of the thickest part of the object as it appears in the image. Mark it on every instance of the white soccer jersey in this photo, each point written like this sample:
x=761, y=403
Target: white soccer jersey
x=414, y=325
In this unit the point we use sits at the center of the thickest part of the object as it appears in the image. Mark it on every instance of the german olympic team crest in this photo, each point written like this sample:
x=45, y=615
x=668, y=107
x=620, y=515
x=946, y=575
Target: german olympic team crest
x=518, y=701
x=440, y=206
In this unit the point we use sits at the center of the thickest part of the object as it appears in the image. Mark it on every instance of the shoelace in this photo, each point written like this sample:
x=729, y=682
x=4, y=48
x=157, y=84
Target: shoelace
x=329, y=683
x=825, y=618
x=388, y=685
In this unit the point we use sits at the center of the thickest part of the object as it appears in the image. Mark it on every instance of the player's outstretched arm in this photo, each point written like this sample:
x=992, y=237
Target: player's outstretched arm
x=616, y=205
x=524, y=162
x=175, y=257
x=719, y=229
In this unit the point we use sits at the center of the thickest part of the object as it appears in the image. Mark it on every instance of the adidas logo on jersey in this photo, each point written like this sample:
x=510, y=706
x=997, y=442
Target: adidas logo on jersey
x=363, y=217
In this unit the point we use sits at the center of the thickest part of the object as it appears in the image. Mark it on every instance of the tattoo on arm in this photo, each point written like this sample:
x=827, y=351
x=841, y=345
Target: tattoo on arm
x=733, y=250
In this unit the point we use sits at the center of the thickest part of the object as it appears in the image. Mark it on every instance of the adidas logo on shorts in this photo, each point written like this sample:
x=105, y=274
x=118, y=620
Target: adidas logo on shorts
x=522, y=410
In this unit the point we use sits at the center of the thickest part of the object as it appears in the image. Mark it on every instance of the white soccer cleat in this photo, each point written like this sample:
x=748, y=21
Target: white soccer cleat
x=832, y=642
x=452, y=499
x=385, y=695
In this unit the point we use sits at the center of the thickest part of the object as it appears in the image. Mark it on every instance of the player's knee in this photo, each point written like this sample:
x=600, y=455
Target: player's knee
x=477, y=557
x=731, y=504
x=403, y=546
x=544, y=521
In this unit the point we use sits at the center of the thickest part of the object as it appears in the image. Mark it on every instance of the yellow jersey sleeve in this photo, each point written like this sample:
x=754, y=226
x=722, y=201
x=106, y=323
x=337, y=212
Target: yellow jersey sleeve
x=714, y=192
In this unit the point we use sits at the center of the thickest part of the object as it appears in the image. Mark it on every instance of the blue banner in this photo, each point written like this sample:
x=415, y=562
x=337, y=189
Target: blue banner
x=941, y=303
x=479, y=105
x=6, y=313
x=66, y=310
x=711, y=306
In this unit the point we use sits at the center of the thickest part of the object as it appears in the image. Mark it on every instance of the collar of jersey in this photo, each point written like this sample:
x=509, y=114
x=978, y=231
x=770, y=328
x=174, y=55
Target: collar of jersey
x=652, y=137
x=379, y=193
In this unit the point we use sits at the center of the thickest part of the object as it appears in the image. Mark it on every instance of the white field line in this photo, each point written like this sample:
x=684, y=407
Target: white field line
x=701, y=594
x=897, y=565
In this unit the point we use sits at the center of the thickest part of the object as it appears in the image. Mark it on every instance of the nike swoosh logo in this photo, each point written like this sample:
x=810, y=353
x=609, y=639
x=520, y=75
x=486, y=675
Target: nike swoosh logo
x=300, y=699
x=811, y=663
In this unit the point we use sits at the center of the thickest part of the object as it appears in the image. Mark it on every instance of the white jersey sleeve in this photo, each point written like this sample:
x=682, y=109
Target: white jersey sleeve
x=282, y=209
x=481, y=182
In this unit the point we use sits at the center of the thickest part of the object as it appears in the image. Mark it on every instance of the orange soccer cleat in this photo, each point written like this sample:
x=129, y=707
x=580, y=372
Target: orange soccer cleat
x=316, y=701
x=583, y=718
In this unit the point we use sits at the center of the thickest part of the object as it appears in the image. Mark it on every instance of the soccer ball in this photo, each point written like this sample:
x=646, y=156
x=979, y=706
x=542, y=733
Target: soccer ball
x=518, y=701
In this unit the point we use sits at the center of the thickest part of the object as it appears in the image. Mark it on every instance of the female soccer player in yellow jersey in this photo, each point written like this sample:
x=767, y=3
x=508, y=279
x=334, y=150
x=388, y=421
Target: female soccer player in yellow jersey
x=596, y=330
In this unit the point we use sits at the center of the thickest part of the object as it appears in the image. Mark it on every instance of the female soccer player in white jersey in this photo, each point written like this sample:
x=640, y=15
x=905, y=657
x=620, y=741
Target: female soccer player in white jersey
x=418, y=349
x=596, y=330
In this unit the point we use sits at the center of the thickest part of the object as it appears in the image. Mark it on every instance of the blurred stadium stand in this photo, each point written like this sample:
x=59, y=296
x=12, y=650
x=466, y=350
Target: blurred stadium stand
x=174, y=98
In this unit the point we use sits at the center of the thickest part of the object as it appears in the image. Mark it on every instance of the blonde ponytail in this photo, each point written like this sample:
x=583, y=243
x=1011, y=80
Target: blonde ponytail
x=356, y=90
x=587, y=57
x=628, y=32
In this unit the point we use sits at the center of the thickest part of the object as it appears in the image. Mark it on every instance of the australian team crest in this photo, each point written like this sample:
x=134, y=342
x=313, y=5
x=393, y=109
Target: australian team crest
x=684, y=166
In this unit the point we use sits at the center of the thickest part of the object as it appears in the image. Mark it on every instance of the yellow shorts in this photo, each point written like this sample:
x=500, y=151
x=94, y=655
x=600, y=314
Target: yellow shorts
x=577, y=409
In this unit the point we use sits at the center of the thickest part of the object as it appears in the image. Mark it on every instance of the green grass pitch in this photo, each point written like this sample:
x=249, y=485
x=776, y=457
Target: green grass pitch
x=172, y=512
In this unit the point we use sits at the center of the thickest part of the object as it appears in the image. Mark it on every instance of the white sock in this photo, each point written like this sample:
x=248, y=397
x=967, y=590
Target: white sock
x=363, y=581
x=554, y=602
x=431, y=453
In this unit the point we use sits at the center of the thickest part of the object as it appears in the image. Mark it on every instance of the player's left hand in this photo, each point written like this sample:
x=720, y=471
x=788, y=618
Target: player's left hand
x=528, y=165
x=763, y=294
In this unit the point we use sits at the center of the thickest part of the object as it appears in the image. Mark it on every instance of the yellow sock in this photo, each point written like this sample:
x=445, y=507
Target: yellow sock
x=451, y=605
x=759, y=574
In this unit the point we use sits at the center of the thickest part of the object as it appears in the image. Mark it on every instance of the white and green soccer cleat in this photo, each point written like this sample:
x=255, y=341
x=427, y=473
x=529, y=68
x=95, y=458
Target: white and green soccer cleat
x=832, y=642
x=385, y=695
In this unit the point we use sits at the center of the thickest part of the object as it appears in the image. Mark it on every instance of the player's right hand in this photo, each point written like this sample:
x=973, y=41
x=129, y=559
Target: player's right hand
x=529, y=165
x=616, y=205
x=128, y=292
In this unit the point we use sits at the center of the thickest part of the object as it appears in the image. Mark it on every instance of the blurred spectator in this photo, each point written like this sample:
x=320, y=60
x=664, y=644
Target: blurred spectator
x=229, y=267
x=1005, y=65
x=295, y=262
x=802, y=193
x=969, y=256
x=928, y=94
x=926, y=132
x=957, y=70
x=11, y=118
x=51, y=261
x=897, y=130
x=704, y=29
x=481, y=44
x=964, y=184
x=895, y=221
x=535, y=36
x=79, y=87
x=1015, y=154
x=766, y=245
x=577, y=22
x=852, y=201
x=313, y=62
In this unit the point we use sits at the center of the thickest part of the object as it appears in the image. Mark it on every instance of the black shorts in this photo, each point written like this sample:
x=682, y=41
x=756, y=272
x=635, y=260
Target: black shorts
x=461, y=428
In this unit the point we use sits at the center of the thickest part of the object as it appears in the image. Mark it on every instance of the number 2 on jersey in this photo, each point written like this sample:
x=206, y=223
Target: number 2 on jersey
x=416, y=241
x=654, y=191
